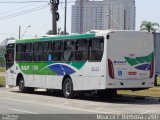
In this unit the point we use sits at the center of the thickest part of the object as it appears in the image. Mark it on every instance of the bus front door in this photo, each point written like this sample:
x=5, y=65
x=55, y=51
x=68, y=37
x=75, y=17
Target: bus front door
x=10, y=69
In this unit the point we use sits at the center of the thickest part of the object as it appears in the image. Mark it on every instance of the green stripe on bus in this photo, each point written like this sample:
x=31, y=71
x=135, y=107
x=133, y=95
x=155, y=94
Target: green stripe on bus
x=61, y=37
x=138, y=60
x=41, y=68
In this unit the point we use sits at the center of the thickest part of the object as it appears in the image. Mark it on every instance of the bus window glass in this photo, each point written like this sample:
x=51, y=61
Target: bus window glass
x=47, y=54
x=69, y=52
x=58, y=45
x=28, y=52
x=20, y=49
x=58, y=51
x=96, y=49
x=9, y=56
x=81, y=50
x=37, y=51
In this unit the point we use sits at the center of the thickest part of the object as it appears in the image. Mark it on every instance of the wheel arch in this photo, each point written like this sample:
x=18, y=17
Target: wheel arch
x=18, y=78
x=64, y=78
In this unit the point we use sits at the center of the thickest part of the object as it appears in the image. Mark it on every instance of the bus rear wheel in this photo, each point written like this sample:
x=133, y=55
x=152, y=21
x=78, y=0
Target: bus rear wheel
x=68, y=88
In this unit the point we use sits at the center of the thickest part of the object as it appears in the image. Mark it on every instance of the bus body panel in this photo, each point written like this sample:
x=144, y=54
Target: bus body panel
x=132, y=57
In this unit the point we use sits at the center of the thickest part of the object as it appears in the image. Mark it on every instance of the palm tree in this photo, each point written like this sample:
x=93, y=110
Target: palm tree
x=149, y=26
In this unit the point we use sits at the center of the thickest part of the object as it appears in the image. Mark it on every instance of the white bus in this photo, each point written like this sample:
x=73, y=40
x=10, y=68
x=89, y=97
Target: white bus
x=97, y=61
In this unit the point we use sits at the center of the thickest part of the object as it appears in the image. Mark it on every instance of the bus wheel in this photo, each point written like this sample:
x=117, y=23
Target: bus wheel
x=22, y=88
x=68, y=88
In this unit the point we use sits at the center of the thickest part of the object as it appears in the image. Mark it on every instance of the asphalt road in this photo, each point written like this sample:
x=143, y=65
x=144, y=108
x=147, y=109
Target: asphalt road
x=40, y=102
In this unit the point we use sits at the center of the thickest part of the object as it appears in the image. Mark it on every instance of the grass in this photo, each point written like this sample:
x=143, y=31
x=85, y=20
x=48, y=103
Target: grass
x=2, y=81
x=152, y=92
x=158, y=81
x=2, y=69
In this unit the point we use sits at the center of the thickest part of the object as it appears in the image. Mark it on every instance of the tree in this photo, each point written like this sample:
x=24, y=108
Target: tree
x=49, y=32
x=149, y=26
x=59, y=32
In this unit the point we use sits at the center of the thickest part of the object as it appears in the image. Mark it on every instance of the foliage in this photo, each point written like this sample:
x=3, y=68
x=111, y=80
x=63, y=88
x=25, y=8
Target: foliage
x=2, y=69
x=59, y=32
x=2, y=81
x=152, y=92
x=149, y=26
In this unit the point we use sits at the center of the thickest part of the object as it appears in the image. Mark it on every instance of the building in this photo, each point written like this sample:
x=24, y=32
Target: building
x=103, y=14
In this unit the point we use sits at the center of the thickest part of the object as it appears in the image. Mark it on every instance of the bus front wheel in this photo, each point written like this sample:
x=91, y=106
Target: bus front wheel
x=22, y=88
x=68, y=88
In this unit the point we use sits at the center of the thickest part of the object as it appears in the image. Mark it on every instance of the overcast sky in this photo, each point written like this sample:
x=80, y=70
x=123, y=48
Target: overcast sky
x=40, y=20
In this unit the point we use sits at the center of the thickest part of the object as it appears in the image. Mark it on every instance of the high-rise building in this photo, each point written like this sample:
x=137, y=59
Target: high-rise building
x=103, y=14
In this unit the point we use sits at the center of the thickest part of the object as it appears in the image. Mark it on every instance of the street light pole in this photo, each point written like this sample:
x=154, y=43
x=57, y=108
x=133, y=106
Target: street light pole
x=20, y=37
x=19, y=32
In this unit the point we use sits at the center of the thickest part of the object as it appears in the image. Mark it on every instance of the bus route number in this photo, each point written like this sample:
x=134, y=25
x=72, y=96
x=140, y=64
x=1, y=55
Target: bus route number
x=94, y=68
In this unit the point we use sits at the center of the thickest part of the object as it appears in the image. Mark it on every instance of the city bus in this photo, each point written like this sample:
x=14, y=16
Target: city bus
x=98, y=61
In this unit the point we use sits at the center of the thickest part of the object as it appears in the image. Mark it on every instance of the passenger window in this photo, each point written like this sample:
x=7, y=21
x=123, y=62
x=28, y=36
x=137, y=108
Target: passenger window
x=37, y=54
x=96, y=49
x=69, y=50
x=81, y=50
x=28, y=52
x=58, y=51
x=20, y=49
x=48, y=53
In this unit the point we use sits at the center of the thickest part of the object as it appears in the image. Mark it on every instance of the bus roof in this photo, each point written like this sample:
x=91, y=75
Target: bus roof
x=91, y=33
x=57, y=37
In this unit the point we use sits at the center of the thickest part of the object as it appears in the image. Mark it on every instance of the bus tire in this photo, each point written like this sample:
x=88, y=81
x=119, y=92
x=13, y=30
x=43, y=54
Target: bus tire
x=68, y=88
x=22, y=87
x=155, y=80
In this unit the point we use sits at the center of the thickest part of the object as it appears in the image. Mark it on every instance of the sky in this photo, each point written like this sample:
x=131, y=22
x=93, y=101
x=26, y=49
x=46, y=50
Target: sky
x=40, y=20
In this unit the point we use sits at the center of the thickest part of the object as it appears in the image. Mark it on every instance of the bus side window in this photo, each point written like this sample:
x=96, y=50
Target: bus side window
x=20, y=49
x=96, y=49
x=58, y=51
x=29, y=52
x=81, y=50
x=69, y=50
x=47, y=54
x=37, y=51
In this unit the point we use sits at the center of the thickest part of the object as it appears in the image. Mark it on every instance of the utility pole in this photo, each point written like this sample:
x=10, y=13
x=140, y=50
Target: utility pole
x=65, y=17
x=55, y=15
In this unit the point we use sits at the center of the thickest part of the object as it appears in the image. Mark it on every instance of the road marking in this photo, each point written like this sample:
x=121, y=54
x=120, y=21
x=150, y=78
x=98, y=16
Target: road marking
x=65, y=104
x=99, y=108
x=22, y=111
x=147, y=112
